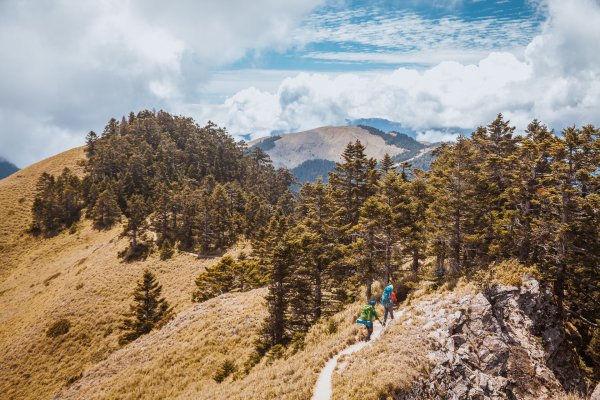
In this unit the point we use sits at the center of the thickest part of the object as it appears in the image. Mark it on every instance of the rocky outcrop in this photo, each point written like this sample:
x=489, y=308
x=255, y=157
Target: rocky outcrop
x=505, y=343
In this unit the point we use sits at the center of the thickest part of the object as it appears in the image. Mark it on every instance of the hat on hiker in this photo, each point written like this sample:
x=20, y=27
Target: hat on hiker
x=372, y=302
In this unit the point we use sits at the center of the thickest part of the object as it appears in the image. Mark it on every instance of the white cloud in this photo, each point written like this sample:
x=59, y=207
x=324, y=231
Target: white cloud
x=432, y=136
x=556, y=78
x=385, y=34
x=69, y=66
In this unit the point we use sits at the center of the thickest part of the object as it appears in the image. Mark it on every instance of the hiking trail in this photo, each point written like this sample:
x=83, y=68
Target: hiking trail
x=324, y=386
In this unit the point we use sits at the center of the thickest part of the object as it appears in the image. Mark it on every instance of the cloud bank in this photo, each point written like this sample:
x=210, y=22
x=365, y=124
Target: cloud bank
x=556, y=78
x=68, y=66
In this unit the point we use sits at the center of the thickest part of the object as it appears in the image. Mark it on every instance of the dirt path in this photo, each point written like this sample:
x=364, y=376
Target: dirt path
x=324, y=386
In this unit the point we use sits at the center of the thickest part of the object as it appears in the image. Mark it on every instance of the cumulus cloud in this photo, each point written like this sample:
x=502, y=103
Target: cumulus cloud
x=69, y=66
x=555, y=79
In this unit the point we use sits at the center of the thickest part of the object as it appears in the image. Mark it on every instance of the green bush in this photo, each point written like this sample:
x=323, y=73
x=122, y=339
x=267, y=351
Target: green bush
x=227, y=368
x=58, y=328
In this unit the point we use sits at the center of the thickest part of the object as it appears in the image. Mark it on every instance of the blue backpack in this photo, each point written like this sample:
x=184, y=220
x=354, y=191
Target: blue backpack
x=386, y=297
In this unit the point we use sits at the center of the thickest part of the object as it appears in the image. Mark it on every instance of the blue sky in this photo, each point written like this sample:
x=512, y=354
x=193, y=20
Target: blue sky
x=366, y=35
x=270, y=65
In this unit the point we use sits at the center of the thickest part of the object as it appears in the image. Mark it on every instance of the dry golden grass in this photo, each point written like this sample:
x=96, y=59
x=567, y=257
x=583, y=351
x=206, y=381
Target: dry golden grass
x=390, y=365
x=294, y=376
x=77, y=277
x=182, y=356
x=74, y=276
x=18, y=190
x=509, y=272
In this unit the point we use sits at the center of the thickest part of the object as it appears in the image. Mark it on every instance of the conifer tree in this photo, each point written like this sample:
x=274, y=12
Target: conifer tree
x=317, y=243
x=148, y=310
x=221, y=219
x=352, y=182
x=90, y=142
x=372, y=247
x=387, y=164
x=106, y=212
x=282, y=259
x=137, y=212
x=450, y=217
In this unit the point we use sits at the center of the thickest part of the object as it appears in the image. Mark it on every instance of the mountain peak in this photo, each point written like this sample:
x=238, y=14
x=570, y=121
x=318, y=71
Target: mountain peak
x=313, y=153
x=6, y=168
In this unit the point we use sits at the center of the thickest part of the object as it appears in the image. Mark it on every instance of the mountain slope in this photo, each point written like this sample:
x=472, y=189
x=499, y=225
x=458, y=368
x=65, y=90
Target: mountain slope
x=313, y=153
x=18, y=190
x=7, y=168
x=74, y=276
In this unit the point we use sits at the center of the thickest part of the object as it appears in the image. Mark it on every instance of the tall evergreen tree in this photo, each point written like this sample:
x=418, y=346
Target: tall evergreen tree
x=351, y=183
x=148, y=310
x=106, y=212
x=137, y=212
x=450, y=217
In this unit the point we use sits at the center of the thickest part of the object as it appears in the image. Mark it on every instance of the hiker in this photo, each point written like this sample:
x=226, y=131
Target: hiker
x=367, y=314
x=388, y=299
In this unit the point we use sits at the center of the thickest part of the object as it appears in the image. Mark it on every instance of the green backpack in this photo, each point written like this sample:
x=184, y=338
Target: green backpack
x=367, y=312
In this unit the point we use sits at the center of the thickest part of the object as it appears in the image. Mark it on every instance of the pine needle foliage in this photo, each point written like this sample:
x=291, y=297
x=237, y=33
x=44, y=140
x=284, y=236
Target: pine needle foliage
x=148, y=311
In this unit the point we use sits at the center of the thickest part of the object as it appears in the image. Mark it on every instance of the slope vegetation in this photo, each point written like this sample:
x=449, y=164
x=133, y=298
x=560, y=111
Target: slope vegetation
x=75, y=276
x=18, y=190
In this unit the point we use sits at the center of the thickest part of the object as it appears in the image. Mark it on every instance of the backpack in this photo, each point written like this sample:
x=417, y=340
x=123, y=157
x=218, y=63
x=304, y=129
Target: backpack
x=366, y=312
x=386, y=297
x=394, y=298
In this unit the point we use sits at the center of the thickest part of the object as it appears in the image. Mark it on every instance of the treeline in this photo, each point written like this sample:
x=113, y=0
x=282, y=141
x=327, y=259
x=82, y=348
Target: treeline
x=492, y=197
x=58, y=202
x=193, y=187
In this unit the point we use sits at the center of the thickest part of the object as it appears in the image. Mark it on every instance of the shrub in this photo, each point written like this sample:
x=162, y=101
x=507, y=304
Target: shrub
x=509, y=272
x=166, y=250
x=58, y=328
x=332, y=326
x=227, y=368
x=72, y=379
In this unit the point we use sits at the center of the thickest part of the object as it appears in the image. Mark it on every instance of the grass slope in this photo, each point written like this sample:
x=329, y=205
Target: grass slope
x=18, y=190
x=74, y=276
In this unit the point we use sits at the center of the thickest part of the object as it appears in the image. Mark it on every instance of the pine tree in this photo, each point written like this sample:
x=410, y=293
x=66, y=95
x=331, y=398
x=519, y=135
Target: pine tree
x=222, y=219
x=513, y=232
x=147, y=311
x=106, y=212
x=137, y=212
x=352, y=182
x=317, y=245
x=90, y=142
x=450, y=214
x=372, y=246
x=387, y=164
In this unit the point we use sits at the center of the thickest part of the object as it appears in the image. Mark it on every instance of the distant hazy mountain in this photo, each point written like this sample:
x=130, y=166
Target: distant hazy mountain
x=7, y=168
x=383, y=125
x=313, y=153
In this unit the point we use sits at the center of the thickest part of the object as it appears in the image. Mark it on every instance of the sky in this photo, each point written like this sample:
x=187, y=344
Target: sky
x=67, y=66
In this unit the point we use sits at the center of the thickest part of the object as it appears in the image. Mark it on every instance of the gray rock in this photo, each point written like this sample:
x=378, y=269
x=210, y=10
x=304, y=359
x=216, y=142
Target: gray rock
x=508, y=345
x=596, y=393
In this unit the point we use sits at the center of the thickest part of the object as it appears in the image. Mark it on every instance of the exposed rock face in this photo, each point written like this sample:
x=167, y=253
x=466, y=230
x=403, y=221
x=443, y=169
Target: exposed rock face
x=506, y=344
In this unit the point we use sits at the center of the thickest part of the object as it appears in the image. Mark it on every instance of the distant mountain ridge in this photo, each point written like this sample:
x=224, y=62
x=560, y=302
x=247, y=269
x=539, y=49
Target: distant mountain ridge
x=383, y=125
x=313, y=153
x=7, y=168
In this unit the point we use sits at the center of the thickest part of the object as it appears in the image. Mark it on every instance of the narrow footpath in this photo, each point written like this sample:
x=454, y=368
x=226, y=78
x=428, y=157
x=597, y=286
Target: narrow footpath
x=324, y=386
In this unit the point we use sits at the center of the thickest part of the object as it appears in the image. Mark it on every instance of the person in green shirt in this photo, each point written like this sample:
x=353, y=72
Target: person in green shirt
x=367, y=314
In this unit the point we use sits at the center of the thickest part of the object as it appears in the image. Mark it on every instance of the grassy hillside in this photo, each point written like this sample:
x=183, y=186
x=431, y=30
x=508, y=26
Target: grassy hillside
x=74, y=276
x=18, y=190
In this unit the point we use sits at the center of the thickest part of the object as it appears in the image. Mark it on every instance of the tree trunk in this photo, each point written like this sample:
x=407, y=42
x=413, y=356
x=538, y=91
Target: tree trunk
x=318, y=294
x=415, y=260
